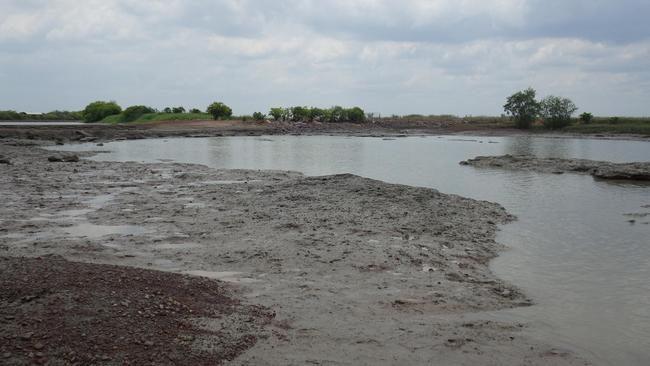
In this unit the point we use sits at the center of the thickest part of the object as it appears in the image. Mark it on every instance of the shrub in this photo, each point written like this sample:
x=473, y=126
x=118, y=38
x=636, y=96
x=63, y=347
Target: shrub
x=97, y=111
x=259, y=116
x=299, y=114
x=356, y=114
x=277, y=113
x=134, y=112
x=219, y=110
x=613, y=120
x=167, y=110
x=557, y=111
x=586, y=118
x=178, y=110
x=523, y=108
x=195, y=111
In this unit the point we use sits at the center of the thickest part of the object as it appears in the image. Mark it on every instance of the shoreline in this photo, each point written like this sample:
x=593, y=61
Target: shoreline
x=103, y=132
x=386, y=260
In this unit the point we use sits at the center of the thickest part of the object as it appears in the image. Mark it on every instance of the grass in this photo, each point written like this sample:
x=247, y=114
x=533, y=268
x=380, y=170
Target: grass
x=158, y=117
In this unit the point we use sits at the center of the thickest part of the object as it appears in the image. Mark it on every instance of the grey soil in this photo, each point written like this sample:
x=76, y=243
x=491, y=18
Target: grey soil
x=598, y=169
x=359, y=272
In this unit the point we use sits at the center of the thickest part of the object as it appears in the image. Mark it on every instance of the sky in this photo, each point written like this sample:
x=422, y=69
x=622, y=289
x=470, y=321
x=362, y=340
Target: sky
x=461, y=57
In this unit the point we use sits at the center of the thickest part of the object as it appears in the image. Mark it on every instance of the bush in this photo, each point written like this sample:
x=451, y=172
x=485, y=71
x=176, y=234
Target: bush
x=219, y=110
x=523, y=108
x=557, y=111
x=277, y=113
x=356, y=114
x=195, y=111
x=586, y=118
x=178, y=110
x=259, y=116
x=299, y=114
x=97, y=111
x=134, y=112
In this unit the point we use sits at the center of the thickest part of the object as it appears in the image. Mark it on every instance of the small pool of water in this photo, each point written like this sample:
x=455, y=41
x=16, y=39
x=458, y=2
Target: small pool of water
x=572, y=249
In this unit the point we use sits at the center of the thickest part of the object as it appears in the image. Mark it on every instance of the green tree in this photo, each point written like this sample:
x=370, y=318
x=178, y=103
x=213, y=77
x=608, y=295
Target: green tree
x=134, y=112
x=259, y=116
x=557, y=111
x=586, y=118
x=299, y=114
x=277, y=113
x=356, y=114
x=195, y=111
x=178, y=110
x=523, y=107
x=97, y=111
x=219, y=110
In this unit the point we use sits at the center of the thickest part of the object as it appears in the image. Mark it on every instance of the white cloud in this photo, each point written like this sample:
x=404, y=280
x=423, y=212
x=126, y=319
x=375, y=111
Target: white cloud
x=417, y=56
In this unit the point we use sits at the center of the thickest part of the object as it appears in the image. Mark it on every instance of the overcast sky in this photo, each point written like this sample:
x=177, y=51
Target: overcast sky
x=459, y=57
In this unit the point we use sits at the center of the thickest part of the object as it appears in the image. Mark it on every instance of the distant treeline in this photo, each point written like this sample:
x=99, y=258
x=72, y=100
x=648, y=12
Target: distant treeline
x=111, y=112
x=50, y=116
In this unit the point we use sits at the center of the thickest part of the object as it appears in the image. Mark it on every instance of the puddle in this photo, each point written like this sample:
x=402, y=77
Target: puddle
x=234, y=277
x=92, y=231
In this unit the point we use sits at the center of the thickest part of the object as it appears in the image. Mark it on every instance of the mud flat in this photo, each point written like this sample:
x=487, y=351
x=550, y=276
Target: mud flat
x=354, y=271
x=598, y=169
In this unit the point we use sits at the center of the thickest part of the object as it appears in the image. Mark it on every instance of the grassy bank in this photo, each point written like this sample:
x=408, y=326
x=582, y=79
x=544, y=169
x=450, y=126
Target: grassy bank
x=158, y=117
x=626, y=125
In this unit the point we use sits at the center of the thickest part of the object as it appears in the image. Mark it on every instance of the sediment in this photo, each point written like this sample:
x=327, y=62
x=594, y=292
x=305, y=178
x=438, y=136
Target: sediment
x=355, y=271
x=639, y=171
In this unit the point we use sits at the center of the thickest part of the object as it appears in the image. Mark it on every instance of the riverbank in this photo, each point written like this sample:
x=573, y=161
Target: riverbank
x=357, y=271
x=108, y=132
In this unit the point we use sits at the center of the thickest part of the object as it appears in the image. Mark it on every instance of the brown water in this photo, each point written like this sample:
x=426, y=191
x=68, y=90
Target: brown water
x=572, y=249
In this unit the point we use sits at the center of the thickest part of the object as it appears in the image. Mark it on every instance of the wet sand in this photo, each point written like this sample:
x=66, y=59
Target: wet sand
x=357, y=271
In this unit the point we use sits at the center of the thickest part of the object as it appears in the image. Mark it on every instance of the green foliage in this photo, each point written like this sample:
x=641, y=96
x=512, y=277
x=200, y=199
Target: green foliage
x=299, y=114
x=259, y=116
x=97, y=111
x=523, y=107
x=356, y=114
x=557, y=111
x=586, y=118
x=219, y=110
x=11, y=116
x=277, y=113
x=614, y=120
x=167, y=110
x=134, y=112
x=307, y=114
x=178, y=110
x=195, y=111
x=49, y=116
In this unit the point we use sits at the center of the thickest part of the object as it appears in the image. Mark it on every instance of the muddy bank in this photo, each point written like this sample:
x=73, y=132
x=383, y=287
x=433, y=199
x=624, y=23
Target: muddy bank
x=598, y=169
x=358, y=271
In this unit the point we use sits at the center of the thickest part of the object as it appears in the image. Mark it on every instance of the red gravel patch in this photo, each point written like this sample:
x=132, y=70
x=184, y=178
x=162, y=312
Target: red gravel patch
x=53, y=311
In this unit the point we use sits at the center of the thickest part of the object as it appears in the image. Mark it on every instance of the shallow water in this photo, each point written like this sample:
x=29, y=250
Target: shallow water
x=572, y=249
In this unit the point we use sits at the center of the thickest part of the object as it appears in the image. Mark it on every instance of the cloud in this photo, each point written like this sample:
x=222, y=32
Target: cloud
x=412, y=56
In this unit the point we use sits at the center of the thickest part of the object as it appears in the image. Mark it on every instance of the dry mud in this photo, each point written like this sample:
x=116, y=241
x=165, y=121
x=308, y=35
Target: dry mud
x=598, y=169
x=357, y=271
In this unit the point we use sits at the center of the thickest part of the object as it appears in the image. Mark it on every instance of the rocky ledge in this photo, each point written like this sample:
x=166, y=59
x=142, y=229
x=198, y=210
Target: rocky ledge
x=639, y=171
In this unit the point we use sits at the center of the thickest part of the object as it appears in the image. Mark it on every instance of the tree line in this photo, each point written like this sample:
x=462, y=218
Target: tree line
x=49, y=116
x=555, y=112
x=99, y=110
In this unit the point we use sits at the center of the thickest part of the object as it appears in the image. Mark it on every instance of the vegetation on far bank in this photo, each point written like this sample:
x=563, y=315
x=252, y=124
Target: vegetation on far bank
x=523, y=110
x=49, y=116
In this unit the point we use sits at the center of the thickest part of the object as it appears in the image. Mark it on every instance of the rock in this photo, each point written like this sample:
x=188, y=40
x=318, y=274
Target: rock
x=63, y=158
x=4, y=160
